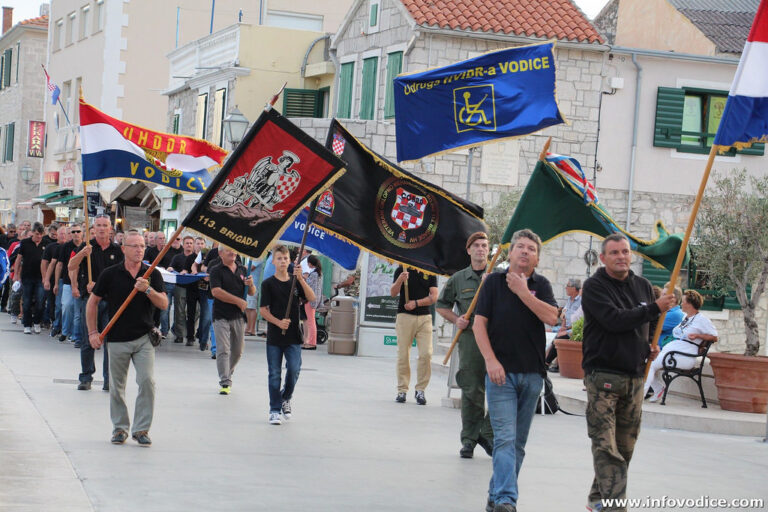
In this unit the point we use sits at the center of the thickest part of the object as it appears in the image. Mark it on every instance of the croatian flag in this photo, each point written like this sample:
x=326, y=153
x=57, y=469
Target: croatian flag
x=745, y=118
x=112, y=148
x=52, y=87
x=571, y=170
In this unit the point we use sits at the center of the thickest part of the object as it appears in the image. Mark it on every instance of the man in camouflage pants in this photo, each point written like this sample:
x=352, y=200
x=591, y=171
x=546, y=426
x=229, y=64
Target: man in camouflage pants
x=619, y=308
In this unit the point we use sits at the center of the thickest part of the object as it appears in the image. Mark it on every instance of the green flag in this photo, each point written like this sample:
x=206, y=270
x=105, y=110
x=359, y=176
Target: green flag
x=554, y=204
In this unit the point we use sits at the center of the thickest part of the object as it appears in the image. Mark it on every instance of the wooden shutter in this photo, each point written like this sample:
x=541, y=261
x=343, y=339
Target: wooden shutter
x=394, y=66
x=300, y=103
x=344, y=109
x=669, y=117
x=368, y=90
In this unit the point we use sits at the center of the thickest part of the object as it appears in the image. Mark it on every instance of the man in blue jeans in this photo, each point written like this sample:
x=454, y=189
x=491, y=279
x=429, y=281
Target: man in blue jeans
x=509, y=328
x=283, y=336
x=27, y=270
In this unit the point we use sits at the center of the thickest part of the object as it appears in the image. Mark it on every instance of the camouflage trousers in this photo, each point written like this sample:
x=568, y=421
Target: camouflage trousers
x=614, y=410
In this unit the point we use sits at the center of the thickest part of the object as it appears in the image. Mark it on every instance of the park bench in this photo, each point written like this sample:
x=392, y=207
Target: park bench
x=670, y=371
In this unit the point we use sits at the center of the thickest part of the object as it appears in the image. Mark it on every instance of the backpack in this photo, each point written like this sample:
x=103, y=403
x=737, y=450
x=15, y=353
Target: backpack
x=550, y=400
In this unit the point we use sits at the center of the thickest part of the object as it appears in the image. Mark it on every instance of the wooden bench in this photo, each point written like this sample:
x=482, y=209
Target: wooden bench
x=670, y=371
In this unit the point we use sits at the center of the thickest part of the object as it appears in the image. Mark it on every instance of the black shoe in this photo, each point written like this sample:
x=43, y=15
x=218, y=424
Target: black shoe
x=420, y=398
x=62, y=338
x=178, y=340
x=400, y=398
x=489, y=506
x=504, y=507
x=204, y=347
x=486, y=445
x=467, y=451
x=190, y=343
x=55, y=332
x=553, y=369
x=119, y=437
x=213, y=356
x=649, y=394
x=84, y=386
x=142, y=438
x=105, y=387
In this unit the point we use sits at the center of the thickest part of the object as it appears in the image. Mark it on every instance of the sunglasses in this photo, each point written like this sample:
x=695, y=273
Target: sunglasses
x=76, y=231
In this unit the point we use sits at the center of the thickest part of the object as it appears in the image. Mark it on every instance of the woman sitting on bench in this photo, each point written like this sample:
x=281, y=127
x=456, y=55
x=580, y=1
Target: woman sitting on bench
x=688, y=335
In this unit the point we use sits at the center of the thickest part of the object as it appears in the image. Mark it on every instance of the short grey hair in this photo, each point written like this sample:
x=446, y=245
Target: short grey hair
x=613, y=237
x=527, y=233
x=574, y=283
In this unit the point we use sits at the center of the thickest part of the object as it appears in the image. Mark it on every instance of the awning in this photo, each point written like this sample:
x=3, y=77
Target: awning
x=65, y=200
x=46, y=197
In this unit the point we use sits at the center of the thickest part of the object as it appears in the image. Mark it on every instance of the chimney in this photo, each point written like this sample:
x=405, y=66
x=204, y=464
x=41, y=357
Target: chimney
x=7, y=19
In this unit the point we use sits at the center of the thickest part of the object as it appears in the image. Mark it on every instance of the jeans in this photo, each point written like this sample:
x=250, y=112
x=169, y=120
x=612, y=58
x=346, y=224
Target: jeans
x=199, y=298
x=57, y=313
x=78, y=320
x=213, y=332
x=275, y=355
x=511, y=407
x=32, y=292
x=165, y=315
x=67, y=310
x=87, y=354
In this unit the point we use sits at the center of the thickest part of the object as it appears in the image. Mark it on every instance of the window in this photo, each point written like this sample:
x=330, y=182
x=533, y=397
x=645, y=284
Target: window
x=302, y=103
x=687, y=120
x=71, y=28
x=66, y=93
x=202, y=115
x=58, y=35
x=176, y=123
x=85, y=12
x=394, y=66
x=368, y=91
x=8, y=146
x=219, y=108
x=346, y=77
x=7, y=67
x=373, y=17
x=98, y=19
x=75, y=116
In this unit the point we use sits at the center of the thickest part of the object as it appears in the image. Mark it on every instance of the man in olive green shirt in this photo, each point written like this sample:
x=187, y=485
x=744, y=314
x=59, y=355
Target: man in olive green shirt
x=460, y=290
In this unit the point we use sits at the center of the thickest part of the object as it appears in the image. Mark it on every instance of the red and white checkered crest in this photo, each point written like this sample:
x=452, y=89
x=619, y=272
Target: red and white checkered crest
x=408, y=210
x=287, y=184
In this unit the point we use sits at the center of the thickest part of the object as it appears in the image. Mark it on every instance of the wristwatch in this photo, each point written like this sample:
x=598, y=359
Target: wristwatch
x=148, y=290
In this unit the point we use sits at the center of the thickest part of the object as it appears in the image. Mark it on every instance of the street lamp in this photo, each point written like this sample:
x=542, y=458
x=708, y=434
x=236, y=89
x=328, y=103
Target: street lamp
x=26, y=173
x=235, y=125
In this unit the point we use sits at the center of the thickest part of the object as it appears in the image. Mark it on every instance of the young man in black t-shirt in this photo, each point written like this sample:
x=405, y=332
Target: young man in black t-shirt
x=283, y=335
x=182, y=263
x=27, y=270
x=229, y=281
x=414, y=320
x=512, y=309
x=70, y=315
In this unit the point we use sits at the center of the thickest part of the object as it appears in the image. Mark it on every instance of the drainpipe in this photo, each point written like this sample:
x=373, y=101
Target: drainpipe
x=334, y=96
x=638, y=84
x=309, y=50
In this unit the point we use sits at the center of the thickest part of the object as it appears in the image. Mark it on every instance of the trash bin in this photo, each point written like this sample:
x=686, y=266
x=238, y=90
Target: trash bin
x=341, y=335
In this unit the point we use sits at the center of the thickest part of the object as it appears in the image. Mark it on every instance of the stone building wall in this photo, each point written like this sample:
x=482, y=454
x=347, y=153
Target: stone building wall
x=607, y=20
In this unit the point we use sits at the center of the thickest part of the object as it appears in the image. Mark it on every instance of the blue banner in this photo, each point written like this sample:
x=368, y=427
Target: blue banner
x=506, y=93
x=340, y=251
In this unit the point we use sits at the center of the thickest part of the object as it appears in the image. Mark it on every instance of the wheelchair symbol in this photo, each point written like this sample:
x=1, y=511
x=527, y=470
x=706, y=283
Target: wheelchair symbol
x=473, y=111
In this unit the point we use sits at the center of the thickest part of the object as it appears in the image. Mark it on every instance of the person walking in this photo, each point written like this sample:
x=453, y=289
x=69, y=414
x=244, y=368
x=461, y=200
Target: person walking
x=229, y=284
x=459, y=292
x=129, y=337
x=315, y=281
x=620, y=310
x=28, y=271
x=509, y=328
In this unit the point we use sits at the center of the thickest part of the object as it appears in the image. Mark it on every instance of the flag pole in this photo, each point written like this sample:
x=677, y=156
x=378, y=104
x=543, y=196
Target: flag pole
x=681, y=254
x=146, y=275
x=471, y=309
x=87, y=233
x=310, y=218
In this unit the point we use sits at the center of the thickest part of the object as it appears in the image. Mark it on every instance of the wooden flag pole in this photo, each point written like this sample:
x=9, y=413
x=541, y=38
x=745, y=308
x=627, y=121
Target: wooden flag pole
x=405, y=283
x=681, y=254
x=310, y=218
x=146, y=275
x=471, y=309
x=87, y=236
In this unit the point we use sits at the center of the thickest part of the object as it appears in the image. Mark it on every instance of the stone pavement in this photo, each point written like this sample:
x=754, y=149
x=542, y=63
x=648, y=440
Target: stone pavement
x=349, y=446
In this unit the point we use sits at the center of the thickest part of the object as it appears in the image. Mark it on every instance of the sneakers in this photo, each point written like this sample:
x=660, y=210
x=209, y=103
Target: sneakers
x=648, y=394
x=486, y=445
x=119, y=437
x=287, y=409
x=142, y=437
x=213, y=356
x=420, y=398
x=400, y=398
x=504, y=507
x=595, y=507
x=225, y=390
x=62, y=338
x=14, y=319
x=84, y=386
x=657, y=396
x=27, y=330
x=489, y=505
x=274, y=418
x=190, y=343
x=37, y=328
x=467, y=451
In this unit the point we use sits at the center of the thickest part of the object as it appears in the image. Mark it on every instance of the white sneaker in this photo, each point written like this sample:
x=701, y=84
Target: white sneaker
x=37, y=328
x=657, y=396
x=27, y=330
x=14, y=319
x=274, y=418
x=287, y=409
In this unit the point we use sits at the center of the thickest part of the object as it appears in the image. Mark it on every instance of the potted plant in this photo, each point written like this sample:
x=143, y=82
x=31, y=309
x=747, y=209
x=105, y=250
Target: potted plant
x=569, y=352
x=732, y=248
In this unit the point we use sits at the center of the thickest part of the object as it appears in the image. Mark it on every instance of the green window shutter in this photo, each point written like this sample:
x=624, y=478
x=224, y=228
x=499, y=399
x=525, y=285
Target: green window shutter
x=758, y=149
x=669, y=117
x=374, y=14
x=176, y=119
x=9, y=143
x=368, y=90
x=7, y=68
x=344, y=109
x=2, y=68
x=300, y=103
x=394, y=66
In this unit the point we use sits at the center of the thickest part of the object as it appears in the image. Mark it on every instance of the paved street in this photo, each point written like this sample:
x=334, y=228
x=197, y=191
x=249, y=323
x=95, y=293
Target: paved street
x=348, y=447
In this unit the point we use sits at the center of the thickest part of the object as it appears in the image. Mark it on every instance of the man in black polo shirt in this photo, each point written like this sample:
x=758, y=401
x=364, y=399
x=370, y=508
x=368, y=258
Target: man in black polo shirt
x=182, y=263
x=229, y=282
x=103, y=254
x=414, y=320
x=509, y=328
x=129, y=337
x=27, y=270
x=71, y=322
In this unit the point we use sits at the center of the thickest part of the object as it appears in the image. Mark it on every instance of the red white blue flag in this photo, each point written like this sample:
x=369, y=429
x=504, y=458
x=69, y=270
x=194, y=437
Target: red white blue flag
x=745, y=118
x=571, y=170
x=52, y=87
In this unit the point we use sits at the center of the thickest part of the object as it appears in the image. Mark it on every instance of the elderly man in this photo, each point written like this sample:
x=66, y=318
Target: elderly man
x=129, y=338
x=509, y=328
x=571, y=311
x=619, y=308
